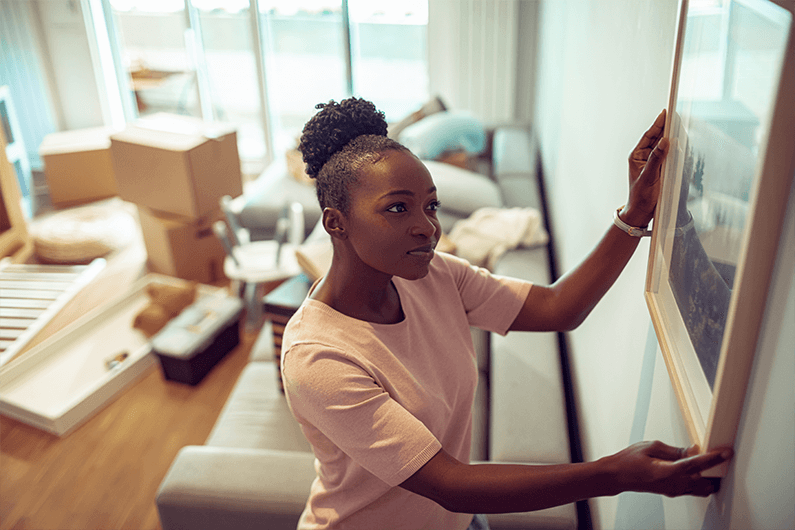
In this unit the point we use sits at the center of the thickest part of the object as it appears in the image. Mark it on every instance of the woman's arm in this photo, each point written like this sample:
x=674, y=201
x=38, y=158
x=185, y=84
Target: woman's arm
x=565, y=304
x=651, y=467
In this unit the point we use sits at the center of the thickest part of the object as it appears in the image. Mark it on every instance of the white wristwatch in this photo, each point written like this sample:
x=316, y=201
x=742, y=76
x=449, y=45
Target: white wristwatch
x=631, y=230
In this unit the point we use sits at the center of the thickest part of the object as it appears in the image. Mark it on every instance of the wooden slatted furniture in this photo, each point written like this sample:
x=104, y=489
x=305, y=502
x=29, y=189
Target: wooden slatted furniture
x=32, y=295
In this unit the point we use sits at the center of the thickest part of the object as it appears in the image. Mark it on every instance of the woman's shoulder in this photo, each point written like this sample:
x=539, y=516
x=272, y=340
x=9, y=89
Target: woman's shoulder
x=448, y=264
x=454, y=268
x=315, y=325
x=472, y=283
x=447, y=276
x=445, y=258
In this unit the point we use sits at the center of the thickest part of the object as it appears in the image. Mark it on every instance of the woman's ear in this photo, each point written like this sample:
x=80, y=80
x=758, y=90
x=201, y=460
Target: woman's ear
x=334, y=223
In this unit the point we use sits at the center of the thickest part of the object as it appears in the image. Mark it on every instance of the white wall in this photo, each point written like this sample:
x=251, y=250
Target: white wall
x=603, y=71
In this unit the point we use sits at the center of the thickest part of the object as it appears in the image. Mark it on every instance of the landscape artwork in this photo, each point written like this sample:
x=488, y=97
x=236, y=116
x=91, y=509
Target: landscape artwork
x=726, y=88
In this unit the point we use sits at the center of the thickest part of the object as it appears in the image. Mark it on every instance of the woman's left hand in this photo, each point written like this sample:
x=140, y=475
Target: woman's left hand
x=645, y=162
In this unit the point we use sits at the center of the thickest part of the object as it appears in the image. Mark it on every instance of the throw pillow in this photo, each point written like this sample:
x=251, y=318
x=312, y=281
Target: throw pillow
x=463, y=191
x=431, y=106
x=444, y=131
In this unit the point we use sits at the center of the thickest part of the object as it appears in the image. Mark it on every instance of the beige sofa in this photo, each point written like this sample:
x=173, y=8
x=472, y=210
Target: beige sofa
x=255, y=469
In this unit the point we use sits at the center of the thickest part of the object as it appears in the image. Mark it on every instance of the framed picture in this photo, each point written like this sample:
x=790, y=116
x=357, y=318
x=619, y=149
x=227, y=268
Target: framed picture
x=727, y=177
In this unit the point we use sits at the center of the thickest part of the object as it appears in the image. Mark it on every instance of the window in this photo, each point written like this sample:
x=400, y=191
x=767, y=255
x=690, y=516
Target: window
x=389, y=54
x=265, y=74
x=304, y=42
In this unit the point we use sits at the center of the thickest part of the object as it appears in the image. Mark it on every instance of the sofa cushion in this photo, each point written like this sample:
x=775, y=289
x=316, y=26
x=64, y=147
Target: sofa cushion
x=263, y=349
x=432, y=106
x=444, y=131
x=231, y=488
x=265, y=198
x=480, y=408
x=528, y=409
x=479, y=449
x=520, y=191
x=463, y=191
x=513, y=152
x=527, y=264
x=448, y=219
x=256, y=415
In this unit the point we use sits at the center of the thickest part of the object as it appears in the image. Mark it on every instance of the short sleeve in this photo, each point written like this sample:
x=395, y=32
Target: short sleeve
x=491, y=301
x=332, y=393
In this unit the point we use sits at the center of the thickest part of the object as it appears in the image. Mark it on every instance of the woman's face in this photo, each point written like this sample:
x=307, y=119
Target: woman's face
x=392, y=225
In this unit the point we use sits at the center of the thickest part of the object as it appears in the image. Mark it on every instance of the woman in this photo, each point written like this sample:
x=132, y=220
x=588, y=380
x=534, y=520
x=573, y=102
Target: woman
x=378, y=362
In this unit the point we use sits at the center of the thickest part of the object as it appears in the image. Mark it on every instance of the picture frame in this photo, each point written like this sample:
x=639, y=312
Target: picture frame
x=726, y=183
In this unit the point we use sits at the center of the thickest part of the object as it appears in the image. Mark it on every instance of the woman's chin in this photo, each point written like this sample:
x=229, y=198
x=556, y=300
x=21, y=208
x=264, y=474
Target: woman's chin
x=416, y=273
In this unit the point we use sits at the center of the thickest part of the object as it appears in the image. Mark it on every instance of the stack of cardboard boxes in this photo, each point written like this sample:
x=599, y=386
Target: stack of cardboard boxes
x=174, y=168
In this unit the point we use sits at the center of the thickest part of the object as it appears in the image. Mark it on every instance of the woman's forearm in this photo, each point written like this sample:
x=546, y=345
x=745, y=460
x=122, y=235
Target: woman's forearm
x=575, y=294
x=505, y=488
x=652, y=467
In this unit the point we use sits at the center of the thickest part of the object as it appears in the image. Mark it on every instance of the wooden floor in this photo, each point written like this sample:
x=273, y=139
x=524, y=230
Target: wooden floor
x=105, y=474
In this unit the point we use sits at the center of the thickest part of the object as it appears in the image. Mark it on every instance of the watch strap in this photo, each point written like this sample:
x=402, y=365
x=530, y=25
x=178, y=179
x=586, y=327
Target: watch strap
x=634, y=231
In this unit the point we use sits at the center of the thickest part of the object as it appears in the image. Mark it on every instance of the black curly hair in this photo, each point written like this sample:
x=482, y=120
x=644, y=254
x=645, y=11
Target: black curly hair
x=337, y=141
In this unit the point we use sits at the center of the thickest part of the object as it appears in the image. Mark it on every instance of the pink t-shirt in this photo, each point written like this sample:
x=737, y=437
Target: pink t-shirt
x=377, y=401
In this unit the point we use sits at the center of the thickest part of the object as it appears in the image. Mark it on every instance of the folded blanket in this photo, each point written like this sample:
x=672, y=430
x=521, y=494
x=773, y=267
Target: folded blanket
x=489, y=232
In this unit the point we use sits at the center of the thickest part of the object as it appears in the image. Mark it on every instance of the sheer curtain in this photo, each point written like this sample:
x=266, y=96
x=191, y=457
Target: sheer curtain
x=481, y=56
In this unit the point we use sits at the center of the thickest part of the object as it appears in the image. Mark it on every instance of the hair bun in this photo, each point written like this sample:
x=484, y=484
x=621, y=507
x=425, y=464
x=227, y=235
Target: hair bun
x=328, y=131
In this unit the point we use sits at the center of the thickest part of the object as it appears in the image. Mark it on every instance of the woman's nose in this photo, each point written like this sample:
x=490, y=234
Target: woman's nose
x=424, y=225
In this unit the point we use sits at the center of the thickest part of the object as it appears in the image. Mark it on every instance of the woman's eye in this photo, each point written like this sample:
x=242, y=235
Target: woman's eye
x=434, y=206
x=397, y=208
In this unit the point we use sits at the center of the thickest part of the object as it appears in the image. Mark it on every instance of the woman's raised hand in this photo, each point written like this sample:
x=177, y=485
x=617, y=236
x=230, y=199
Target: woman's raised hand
x=645, y=162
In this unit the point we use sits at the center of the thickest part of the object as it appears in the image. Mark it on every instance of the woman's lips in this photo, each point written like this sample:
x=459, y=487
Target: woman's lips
x=422, y=252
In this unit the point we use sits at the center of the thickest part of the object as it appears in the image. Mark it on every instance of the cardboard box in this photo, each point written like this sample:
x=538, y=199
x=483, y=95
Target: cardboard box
x=78, y=166
x=182, y=247
x=176, y=164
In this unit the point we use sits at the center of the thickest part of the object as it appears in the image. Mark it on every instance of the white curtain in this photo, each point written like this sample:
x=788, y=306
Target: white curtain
x=480, y=58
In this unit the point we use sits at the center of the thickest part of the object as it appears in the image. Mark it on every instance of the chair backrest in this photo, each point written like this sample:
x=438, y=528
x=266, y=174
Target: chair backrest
x=297, y=228
x=289, y=228
x=237, y=234
x=221, y=232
